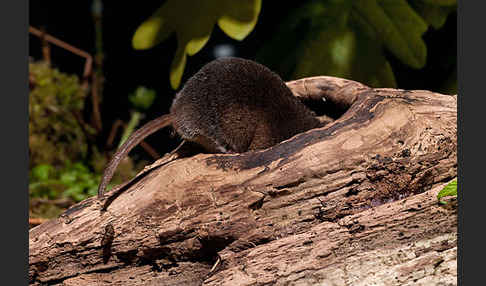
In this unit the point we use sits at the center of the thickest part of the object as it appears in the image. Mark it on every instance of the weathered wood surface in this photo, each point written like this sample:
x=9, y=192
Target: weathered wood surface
x=351, y=203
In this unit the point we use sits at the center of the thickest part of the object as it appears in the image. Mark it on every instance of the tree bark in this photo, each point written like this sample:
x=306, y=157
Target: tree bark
x=350, y=203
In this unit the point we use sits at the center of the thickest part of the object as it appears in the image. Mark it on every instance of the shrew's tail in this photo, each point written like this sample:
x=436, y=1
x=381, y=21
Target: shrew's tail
x=132, y=141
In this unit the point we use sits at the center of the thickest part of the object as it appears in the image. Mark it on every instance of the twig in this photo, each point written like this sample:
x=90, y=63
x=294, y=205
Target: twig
x=48, y=38
x=151, y=151
x=97, y=91
x=84, y=126
x=95, y=102
x=114, y=128
x=88, y=68
x=46, y=51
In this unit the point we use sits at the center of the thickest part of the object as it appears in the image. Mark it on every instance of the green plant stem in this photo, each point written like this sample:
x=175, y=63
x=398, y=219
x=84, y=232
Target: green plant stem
x=134, y=120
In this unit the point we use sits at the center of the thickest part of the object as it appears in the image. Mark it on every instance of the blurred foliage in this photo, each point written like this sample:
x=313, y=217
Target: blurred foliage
x=434, y=12
x=60, y=164
x=347, y=39
x=55, y=135
x=342, y=38
x=236, y=18
x=74, y=180
x=141, y=99
x=449, y=190
x=56, y=138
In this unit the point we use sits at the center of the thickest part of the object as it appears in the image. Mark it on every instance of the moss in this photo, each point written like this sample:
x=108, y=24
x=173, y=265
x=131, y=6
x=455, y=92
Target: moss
x=55, y=135
x=60, y=165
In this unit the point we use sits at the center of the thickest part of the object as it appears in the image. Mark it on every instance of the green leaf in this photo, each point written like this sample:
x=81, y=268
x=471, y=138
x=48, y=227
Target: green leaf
x=134, y=120
x=434, y=14
x=399, y=28
x=239, y=18
x=41, y=172
x=441, y=2
x=151, y=32
x=345, y=53
x=346, y=39
x=85, y=177
x=142, y=98
x=236, y=18
x=35, y=185
x=449, y=190
x=80, y=167
x=328, y=38
x=68, y=178
x=73, y=190
x=177, y=67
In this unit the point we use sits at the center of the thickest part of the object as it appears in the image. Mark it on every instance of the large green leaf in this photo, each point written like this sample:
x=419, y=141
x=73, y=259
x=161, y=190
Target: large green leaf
x=441, y=2
x=434, y=14
x=193, y=22
x=328, y=38
x=398, y=26
x=346, y=38
x=345, y=53
x=291, y=33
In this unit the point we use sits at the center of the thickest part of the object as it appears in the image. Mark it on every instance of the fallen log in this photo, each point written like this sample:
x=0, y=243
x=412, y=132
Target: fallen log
x=350, y=203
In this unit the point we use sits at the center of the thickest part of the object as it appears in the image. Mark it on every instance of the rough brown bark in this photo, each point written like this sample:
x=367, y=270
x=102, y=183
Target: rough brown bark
x=351, y=203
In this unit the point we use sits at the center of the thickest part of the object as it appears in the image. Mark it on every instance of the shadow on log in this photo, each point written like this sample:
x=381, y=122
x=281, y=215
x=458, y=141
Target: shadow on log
x=350, y=203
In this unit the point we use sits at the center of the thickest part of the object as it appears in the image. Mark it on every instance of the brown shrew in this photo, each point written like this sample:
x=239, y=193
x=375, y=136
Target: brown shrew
x=229, y=105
